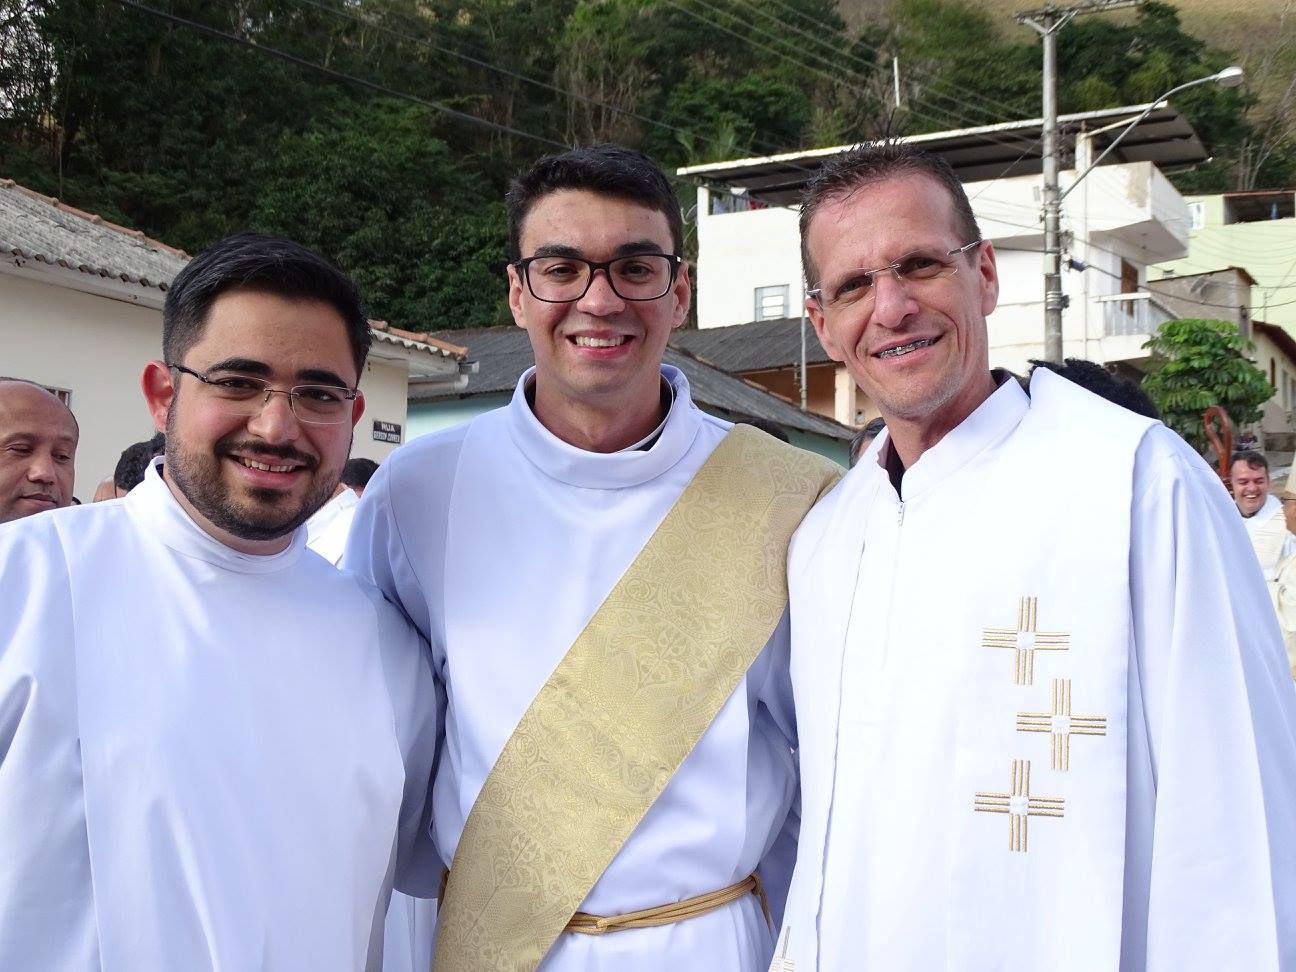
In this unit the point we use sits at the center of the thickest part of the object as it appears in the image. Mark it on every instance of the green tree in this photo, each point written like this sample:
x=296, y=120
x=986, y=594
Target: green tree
x=376, y=192
x=1198, y=363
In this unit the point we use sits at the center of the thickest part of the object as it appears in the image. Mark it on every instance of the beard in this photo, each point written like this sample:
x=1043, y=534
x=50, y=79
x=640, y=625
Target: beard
x=257, y=514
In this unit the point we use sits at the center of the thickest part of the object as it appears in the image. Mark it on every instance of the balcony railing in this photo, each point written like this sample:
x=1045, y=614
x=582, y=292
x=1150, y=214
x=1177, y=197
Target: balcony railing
x=1130, y=314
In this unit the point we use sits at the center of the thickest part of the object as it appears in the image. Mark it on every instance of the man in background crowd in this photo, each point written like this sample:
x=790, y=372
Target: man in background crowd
x=131, y=467
x=327, y=530
x=1262, y=514
x=38, y=442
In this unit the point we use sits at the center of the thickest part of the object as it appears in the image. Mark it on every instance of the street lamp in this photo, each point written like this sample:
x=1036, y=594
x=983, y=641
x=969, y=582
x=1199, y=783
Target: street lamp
x=1229, y=77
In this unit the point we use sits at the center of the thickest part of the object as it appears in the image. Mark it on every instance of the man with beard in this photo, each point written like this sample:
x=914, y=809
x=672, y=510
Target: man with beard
x=213, y=746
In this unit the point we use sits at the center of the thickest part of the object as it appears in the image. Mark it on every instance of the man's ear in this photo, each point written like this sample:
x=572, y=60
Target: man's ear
x=515, y=295
x=816, y=315
x=158, y=385
x=683, y=291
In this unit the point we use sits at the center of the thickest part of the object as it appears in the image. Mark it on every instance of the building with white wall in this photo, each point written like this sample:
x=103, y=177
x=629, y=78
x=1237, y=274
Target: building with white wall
x=81, y=313
x=1123, y=217
x=1254, y=229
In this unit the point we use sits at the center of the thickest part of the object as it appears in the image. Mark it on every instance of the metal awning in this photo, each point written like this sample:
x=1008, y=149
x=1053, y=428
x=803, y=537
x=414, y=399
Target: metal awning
x=976, y=154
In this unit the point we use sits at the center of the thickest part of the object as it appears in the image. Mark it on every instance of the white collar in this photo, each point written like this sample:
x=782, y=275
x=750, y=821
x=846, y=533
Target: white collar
x=991, y=422
x=606, y=470
x=152, y=505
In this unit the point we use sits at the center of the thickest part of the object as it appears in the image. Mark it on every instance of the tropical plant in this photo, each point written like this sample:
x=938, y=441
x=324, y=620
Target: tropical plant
x=1198, y=363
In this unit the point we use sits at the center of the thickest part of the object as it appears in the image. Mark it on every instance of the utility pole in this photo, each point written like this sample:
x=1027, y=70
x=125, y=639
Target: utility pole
x=1047, y=22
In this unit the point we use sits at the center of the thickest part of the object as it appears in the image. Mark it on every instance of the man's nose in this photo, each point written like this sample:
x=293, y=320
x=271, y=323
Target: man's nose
x=892, y=303
x=42, y=468
x=276, y=421
x=600, y=299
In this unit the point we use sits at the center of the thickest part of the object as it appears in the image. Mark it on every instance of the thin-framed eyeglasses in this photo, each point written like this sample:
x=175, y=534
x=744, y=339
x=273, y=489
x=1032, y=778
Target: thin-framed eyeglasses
x=563, y=279
x=246, y=395
x=918, y=267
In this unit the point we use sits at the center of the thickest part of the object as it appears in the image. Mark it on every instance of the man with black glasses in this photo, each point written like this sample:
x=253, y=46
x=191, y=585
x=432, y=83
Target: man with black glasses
x=600, y=569
x=1044, y=713
x=215, y=749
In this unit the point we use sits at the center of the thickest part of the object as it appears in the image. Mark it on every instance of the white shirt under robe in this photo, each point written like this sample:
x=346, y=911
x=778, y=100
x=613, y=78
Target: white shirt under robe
x=500, y=541
x=1209, y=869
x=209, y=761
x=328, y=528
x=1267, y=529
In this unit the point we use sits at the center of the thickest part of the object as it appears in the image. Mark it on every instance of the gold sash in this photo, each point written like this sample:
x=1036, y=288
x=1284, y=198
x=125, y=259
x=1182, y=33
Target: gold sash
x=627, y=704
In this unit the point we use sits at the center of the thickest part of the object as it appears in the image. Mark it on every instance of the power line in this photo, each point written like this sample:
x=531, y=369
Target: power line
x=833, y=66
x=994, y=108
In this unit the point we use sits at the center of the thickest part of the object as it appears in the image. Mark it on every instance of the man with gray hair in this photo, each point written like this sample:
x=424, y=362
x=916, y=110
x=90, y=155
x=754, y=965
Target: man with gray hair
x=38, y=442
x=1045, y=719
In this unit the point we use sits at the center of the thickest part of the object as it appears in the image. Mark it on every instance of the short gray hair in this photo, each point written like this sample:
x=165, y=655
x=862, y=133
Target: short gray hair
x=870, y=163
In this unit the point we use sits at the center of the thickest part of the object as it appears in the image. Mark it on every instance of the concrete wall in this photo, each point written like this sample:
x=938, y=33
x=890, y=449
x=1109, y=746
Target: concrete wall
x=386, y=386
x=96, y=348
x=1267, y=250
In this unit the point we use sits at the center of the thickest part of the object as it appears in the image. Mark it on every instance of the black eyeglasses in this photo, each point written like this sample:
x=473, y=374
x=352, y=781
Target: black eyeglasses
x=246, y=395
x=563, y=279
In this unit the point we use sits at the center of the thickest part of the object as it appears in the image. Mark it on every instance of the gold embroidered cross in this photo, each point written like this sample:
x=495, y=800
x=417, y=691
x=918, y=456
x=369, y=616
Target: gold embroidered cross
x=1025, y=640
x=1019, y=805
x=781, y=962
x=1062, y=724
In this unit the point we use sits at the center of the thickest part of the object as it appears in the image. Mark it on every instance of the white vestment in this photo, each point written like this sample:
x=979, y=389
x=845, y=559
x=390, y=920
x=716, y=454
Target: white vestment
x=1102, y=777
x=500, y=541
x=327, y=530
x=209, y=761
x=1267, y=529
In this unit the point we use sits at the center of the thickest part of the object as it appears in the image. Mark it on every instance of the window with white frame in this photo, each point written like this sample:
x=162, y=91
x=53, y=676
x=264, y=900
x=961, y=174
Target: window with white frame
x=771, y=302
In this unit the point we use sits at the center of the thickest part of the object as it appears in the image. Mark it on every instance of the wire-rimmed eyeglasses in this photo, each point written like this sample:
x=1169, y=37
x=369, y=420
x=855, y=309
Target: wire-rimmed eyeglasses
x=860, y=286
x=239, y=394
x=563, y=279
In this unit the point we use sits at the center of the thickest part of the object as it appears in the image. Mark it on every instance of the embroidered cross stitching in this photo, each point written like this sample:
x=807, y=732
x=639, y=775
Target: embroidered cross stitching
x=1025, y=640
x=1061, y=724
x=1019, y=805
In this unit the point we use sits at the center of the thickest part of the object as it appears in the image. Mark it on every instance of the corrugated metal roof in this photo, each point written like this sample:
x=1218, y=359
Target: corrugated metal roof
x=503, y=353
x=45, y=230
x=996, y=151
x=758, y=346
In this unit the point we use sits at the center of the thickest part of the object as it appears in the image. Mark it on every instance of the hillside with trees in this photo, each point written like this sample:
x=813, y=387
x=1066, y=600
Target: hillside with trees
x=383, y=131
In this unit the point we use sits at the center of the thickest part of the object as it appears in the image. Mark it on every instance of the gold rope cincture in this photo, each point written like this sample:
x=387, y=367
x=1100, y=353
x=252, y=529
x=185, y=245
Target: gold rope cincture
x=627, y=703
x=584, y=923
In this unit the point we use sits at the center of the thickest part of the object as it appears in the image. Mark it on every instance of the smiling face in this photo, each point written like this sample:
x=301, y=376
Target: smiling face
x=600, y=353
x=1250, y=487
x=38, y=440
x=250, y=480
x=919, y=348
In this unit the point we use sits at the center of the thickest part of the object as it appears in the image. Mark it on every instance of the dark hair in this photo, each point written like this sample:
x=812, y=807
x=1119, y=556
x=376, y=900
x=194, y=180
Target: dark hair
x=870, y=163
x=1252, y=458
x=871, y=430
x=357, y=472
x=133, y=464
x=608, y=170
x=269, y=264
x=1103, y=383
